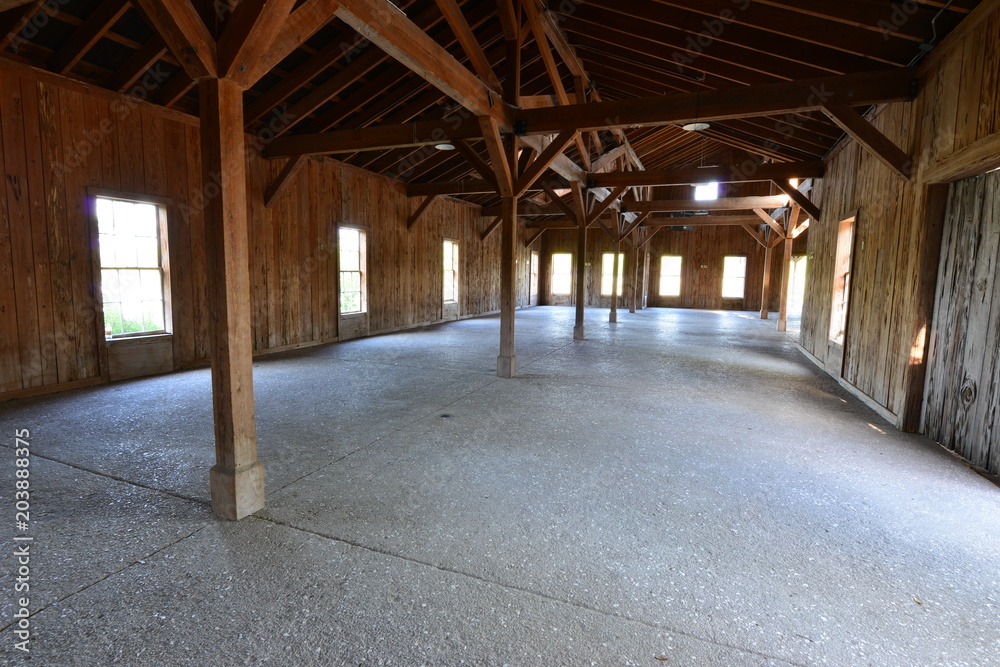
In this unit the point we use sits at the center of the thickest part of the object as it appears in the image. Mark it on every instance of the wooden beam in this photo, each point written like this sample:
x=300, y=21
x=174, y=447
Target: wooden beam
x=633, y=225
x=528, y=240
x=609, y=158
x=283, y=179
x=770, y=222
x=793, y=222
x=752, y=231
x=237, y=479
x=506, y=360
x=543, y=161
x=137, y=64
x=247, y=36
x=724, y=204
x=892, y=85
x=477, y=162
x=181, y=27
x=300, y=25
x=388, y=137
x=765, y=291
x=570, y=211
x=737, y=173
x=466, y=187
x=876, y=143
x=483, y=235
x=87, y=35
x=702, y=221
x=605, y=204
x=473, y=49
x=580, y=209
x=13, y=22
x=6, y=5
x=498, y=158
x=799, y=199
x=420, y=211
x=389, y=29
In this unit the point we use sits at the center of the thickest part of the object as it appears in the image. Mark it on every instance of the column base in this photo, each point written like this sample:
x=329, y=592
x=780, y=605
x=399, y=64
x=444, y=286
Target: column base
x=505, y=366
x=578, y=332
x=782, y=325
x=764, y=314
x=613, y=318
x=237, y=493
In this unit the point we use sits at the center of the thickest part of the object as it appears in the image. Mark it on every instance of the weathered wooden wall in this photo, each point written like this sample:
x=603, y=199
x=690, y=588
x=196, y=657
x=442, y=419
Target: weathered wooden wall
x=701, y=288
x=962, y=405
x=951, y=130
x=59, y=138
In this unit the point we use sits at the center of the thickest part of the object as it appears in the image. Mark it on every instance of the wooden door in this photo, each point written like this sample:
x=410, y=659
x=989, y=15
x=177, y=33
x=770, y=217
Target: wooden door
x=962, y=397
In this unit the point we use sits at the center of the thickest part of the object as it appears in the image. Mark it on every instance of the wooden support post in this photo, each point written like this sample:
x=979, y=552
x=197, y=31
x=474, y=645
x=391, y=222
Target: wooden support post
x=634, y=291
x=237, y=479
x=793, y=221
x=580, y=207
x=613, y=317
x=766, y=288
x=506, y=361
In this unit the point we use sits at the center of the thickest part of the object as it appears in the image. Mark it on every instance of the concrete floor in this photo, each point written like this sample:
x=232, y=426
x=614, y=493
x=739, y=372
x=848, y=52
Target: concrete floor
x=681, y=488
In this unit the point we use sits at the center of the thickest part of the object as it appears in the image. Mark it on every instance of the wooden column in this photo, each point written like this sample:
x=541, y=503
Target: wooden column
x=785, y=270
x=581, y=279
x=506, y=361
x=766, y=289
x=237, y=479
x=634, y=291
x=614, y=285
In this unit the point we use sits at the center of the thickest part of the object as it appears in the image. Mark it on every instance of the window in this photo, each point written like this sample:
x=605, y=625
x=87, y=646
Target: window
x=608, y=272
x=842, y=280
x=132, y=286
x=450, y=271
x=533, y=283
x=670, y=275
x=562, y=273
x=734, y=274
x=352, y=270
x=706, y=192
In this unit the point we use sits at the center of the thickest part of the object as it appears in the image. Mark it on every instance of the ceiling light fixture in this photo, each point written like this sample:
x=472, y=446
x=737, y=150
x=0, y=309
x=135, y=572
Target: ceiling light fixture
x=695, y=127
x=445, y=147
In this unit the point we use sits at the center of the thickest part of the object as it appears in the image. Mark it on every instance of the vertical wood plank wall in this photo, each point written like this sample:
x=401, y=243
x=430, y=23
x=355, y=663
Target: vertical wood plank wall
x=957, y=107
x=58, y=138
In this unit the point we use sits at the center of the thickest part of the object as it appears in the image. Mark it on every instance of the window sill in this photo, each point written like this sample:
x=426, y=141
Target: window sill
x=139, y=339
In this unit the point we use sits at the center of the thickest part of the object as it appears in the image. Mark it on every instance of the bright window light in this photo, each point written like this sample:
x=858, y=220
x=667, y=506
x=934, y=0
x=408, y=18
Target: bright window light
x=562, y=273
x=608, y=275
x=670, y=275
x=734, y=274
x=706, y=192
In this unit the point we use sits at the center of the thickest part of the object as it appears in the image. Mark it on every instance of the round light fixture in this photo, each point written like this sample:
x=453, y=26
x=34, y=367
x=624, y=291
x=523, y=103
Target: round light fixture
x=444, y=147
x=695, y=127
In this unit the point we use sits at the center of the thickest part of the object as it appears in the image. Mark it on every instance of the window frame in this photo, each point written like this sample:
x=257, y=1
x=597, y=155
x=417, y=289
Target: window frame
x=743, y=277
x=362, y=270
x=679, y=275
x=552, y=274
x=610, y=275
x=164, y=209
x=455, y=271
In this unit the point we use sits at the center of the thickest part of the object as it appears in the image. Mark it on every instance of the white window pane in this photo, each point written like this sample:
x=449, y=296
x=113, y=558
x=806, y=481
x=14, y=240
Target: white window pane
x=152, y=315
x=349, y=240
x=706, y=192
x=144, y=219
x=673, y=286
x=151, y=285
x=132, y=316
x=147, y=251
x=131, y=289
x=109, y=286
x=124, y=247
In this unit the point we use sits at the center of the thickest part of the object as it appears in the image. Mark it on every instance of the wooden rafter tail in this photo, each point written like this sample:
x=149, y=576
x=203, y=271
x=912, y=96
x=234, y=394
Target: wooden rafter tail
x=799, y=199
x=420, y=211
x=876, y=143
x=483, y=235
x=283, y=179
